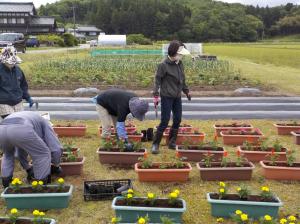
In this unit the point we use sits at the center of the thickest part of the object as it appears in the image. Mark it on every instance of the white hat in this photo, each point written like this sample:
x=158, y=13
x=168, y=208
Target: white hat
x=9, y=56
x=183, y=51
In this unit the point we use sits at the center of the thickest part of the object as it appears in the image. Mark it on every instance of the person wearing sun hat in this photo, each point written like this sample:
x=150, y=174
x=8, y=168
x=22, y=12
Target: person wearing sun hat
x=168, y=85
x=113, y=106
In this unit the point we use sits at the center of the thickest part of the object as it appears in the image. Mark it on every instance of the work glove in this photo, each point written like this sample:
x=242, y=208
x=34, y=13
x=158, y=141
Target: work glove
x=188, y=95
x=56, y=170
x=94, y=99
x=30, y=102
x=156, y=100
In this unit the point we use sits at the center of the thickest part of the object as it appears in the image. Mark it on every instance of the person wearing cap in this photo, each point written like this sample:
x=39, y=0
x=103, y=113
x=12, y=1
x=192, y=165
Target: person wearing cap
x=113, y=106
x=169, y=83
x=13, y=89
x=29, y=131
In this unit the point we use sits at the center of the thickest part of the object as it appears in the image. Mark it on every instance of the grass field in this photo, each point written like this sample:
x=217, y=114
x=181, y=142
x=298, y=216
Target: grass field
x=194, y=191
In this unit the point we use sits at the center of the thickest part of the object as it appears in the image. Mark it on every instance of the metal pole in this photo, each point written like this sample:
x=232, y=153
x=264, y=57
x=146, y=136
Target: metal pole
x=74, y=19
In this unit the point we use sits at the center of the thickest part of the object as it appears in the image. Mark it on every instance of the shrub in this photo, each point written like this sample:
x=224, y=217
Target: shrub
x=51, y=40
x=70, y=40
x=138, y=39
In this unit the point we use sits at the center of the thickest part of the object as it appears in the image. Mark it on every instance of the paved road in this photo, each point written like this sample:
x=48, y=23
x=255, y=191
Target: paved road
x=199, y=108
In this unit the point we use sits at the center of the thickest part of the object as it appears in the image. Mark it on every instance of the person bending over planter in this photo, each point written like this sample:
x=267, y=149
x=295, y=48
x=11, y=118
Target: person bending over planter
x=13, y=89
x=169, y=83
x=31, y=132
x=113, y=106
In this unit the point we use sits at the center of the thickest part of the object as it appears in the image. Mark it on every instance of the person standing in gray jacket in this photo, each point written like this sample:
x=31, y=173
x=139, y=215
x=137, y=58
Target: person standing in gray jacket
x=169, y=83
x=32, y=133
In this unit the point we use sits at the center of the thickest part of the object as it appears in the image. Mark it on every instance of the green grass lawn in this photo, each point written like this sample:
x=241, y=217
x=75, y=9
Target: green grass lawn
x=194, y=191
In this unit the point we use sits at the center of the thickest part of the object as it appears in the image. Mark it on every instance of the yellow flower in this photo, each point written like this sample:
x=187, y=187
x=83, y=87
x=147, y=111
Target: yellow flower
x=173, y=195
x=13, y=211
x=41, y=182
x=239, y=189
x=238, y=212
x=222, y=184
x=150, y=195
x=283, y=221
x=36, y=212
x=130, y=191
x=129, y=196
x=220, y=220
x=114, y=220
x=266, y=189
x=268, y=218
x=34, y=183
x=42, y=214
x=177, y=191
x=292, y=218
x=141, y=221
x=222, y=190
x=244, y=217
x=61, y=181
x=19, y=182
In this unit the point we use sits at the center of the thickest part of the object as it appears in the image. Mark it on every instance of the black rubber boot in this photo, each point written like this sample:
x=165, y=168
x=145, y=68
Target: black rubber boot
x=156, y=141
x=172, y=138
x=30, y=174
x=6, y=181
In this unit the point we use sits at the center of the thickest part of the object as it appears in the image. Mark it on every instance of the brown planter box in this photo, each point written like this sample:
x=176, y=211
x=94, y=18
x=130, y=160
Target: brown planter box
x=163, y=175
x=70, y=131
x=72, y=168
x=280, y=172
x=187, y=129
x=258, y=155
x=296, y=135
x=219, y=128
x=285, y=129
x=112, y=129
x=198, y=155
x=225, y=173
x=230, y=139
x=192, y=139
x=120, y=158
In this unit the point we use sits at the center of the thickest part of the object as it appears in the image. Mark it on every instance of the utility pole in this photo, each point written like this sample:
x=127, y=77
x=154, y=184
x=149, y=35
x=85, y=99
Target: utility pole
x=74, y=18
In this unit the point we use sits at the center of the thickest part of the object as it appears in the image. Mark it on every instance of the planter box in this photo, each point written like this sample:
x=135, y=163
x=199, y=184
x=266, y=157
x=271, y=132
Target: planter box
x=281, y=171
x=163, y=175
x=296, y=135
x=225, y=208
x=120, y=158
x=187, y=129
x=70, y=131
x=225, y=173
x=258, y=155
x=47, y=221
x=38, y=200
x=231, y=139
x=192, y=139
x=72, y=168
x=129, y=214
x=128, y=129
x=198, y=155
x=219, y=128
x=286, y=129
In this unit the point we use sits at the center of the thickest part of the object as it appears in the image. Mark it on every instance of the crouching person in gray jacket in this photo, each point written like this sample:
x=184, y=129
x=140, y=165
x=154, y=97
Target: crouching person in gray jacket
x=32, y=133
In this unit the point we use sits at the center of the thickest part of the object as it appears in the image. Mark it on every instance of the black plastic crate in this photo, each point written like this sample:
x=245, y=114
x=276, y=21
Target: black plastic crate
x=104, y=189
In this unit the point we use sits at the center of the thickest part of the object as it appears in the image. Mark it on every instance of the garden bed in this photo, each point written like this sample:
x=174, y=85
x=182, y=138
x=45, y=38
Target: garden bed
x=239, y=137
x=70, y=130
x=187, y=138
x=257, y=153
x=233, y=126
x=280, y=170
x=286, y=128
x=197, y=153
x=70, y=168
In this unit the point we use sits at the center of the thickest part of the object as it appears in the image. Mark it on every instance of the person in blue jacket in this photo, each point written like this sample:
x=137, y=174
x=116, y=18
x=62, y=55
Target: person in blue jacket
x=113, y=106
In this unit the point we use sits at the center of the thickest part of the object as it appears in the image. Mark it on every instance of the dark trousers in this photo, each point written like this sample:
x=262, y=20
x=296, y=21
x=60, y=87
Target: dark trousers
x=4, y=116
x=168, y=105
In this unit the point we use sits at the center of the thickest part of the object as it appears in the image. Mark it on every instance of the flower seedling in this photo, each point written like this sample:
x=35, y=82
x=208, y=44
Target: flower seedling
x=37, y=186
x=15, y=184
x=13, y=215
x=115, y=220
x=220, y=220
x=267, y=219
x=107, y=144
x=273, y=157
x=129, y=196
x=173, y=197
x=151, y=198
x=224, y=160
x=277, y=146
x=143, y=220
x=166, y=220
x=243, y=192
x=61, y=184
x=240, y=217
x=266, y=194
x=239, y=160
x=208, y=159
x=38, y=217
x=146, y=163
x=222, y=190
x=290, y=157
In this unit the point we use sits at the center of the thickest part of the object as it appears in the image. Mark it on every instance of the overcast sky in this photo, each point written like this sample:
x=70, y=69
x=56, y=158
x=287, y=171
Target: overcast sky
x=37, y=3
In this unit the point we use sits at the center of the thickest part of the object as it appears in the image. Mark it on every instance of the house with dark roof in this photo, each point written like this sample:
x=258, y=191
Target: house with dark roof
x=85, y=32
x=21, y=17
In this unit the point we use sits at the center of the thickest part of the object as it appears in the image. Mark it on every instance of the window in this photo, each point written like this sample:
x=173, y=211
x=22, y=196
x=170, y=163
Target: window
x=3, y=20
x=92, y=33
x=20, y=20
x=12, y=20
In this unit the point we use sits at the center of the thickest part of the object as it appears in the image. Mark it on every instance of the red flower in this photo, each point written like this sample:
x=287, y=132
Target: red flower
x=216, y=137
x=177, y=154
x=145, y=155
x=238, y=153
x=272, y=152
x=208, y=153
x=225, y=153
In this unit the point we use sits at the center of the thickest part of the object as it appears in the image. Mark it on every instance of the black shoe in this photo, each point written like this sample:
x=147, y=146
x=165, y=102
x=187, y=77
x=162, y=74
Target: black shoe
x=172, y=138
x=6, y=181
x=144, y=138
x=156, y=142
x=150, y=134
x=30, y=174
